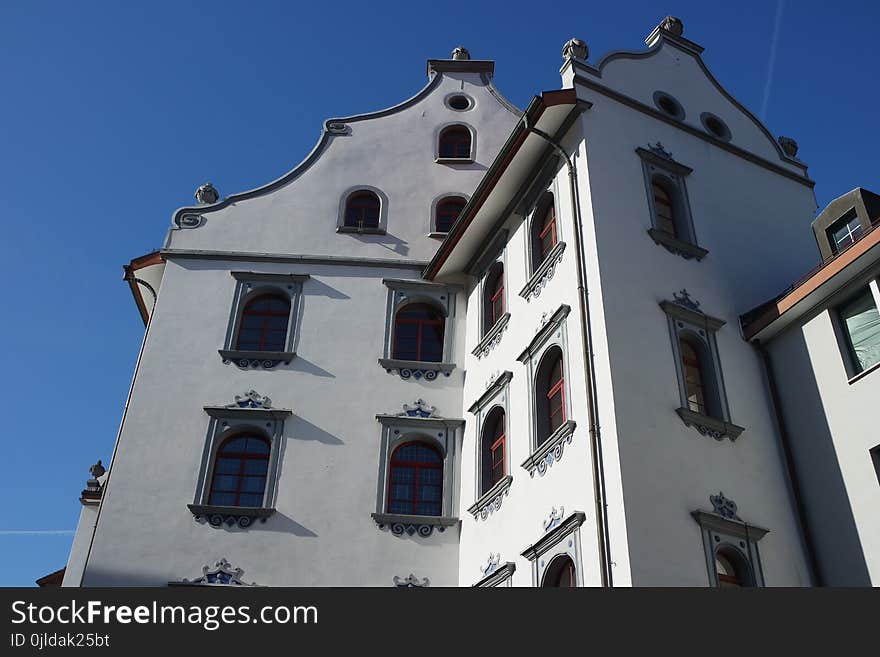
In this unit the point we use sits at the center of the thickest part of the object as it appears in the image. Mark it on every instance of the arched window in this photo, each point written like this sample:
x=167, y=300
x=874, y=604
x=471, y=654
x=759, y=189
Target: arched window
x=664, y=208
x=418, y=333
x=415, y=481
x=544, y=231
x=493, y=449
x=455, y=142
x=447, y=212
x=550, y=391
x=732, y=569
x=362, y=210
x=240, y=471
x=560, y=573
x=696, y=366
x=493, y=296
x=263, y=325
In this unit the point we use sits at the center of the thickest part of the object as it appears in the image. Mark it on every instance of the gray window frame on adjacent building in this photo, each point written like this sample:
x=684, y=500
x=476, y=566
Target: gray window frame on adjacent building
x=497, y=396
x=845, y=222
x=250, y=413
x=723, y=530
x=659, y=166
x=552, y=334
x=401, y=293
x=562, y=538
x=855, y=369
x=687, y=322
x=249, y=285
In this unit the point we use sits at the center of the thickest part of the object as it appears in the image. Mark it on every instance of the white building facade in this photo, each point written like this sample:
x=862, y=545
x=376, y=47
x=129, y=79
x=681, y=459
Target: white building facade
x=466, y=345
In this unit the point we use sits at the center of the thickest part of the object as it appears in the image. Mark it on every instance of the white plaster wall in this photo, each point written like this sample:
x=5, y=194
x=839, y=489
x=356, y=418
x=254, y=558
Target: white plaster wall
x=567, y=483
x=394, y=153
x=322, y=532
x=76, y=561
x=832, y=431
x=742, y=214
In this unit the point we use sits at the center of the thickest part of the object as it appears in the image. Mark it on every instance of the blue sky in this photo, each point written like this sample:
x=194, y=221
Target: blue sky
x=113, y=113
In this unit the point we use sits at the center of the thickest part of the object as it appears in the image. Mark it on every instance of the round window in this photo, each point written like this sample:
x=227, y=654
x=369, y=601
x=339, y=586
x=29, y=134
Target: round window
x=715, y=126
x=459, y=102
x=668, y=105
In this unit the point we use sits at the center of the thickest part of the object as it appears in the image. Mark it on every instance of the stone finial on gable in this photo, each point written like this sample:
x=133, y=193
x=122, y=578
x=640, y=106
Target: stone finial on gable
x=672, y=24
x=206, y=194
x=789, y=146
x=575, y=48
x=461, y=53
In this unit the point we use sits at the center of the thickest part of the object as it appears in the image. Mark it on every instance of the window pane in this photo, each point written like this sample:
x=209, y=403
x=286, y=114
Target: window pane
x=250, y=499
x=862, y=323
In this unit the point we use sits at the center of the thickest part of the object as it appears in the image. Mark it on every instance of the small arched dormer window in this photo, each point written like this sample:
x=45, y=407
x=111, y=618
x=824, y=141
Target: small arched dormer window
x=560, y=573
x=455, y=143
x=362, y=210
x=415, y=480
x=697, y=369
x=493, y=296
x=664, y=207
x=240, y=470
x=447, y=212
x=550, y=393
x=264, y=323
x=493, y=448
x=732, y=569
x=418, y=333
x=544, y=236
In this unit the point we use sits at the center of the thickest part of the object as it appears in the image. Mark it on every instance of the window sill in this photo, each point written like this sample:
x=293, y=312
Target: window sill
x=861, y=375
x=265, y=359
x=492, y=338
x=490, y=501
x=454, y=160
x=217, y=516
x=550, y=450
x=543, y=273
x=674, y=245
x=416, y=369
x=360, y=231
x=399, y=524
x=709, y=426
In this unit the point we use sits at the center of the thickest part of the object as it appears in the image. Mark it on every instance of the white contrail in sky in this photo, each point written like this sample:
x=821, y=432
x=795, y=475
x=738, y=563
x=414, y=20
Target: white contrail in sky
x=772, y=63
x=36, y=532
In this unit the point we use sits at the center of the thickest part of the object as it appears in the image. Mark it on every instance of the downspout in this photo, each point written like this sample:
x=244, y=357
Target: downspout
x=589, y=367
x=790, y=467
x=116, y=445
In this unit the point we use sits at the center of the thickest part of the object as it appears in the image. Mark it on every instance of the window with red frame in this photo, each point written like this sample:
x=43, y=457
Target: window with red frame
x=550, y=395
x=494, y=440
x=494, y=296
x=731, y=569
x=455, y=142
x=415, y=480
x=544, y=231
x=418, y=333
x=447, y=212
x=663, y=209
x=560, y=573
x=240, y=469
x=362, y=210
x=693, y=377
x=263, y=325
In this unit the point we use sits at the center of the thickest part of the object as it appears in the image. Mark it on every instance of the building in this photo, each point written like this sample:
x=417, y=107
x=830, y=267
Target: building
x=461, y=344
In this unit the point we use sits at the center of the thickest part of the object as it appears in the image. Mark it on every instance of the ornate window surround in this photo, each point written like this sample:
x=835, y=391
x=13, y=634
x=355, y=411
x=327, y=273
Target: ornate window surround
x=455, y=160
x=497, y=395
x=495, y=252
x=539, y=276
x=418, y=422
x=249, y=284
x=402, y=292
x=685, y=317
x=657, y=161
x=722, y=527
x=496, y=574
x=432, y=220
x=222, y=574
x=249, y=412
x=562, y=536
x=552, y=333
x=383, y=211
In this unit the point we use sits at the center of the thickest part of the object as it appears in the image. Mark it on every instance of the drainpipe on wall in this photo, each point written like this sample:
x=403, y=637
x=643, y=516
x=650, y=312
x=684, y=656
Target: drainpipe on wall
x=790, y=467
x=589, y=367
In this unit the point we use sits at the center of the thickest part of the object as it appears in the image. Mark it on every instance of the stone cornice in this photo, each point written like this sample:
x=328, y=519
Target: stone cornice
x=729, y=526
x=691, y=316
x=500, y=574
x=709, y=426
x=494, y=388
x=546, y=331
x=424, y=422
x=552, y=537
x=543, y=273
x=551, y=450
x=490, y=501
x=254, y=413
x=492, y=337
